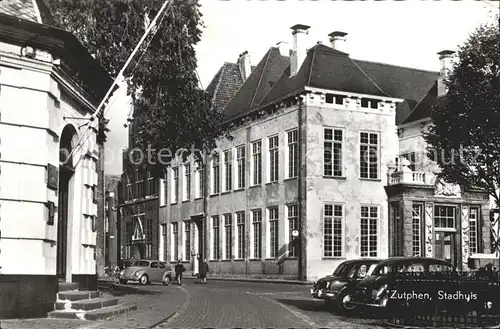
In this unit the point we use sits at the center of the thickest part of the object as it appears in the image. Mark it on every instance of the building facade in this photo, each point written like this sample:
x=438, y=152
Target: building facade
x=48, y=166
x=314, y=136
x=427, y=216
x=112, y=222
x=138, y=209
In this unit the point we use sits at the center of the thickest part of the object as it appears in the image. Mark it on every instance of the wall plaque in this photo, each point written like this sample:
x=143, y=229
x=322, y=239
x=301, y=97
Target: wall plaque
x=52, y=210
x=52, y=177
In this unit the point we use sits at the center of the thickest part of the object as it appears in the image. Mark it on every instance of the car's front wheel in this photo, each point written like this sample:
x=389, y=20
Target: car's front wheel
x=122, y=281
x=166, y=280
x=144, y=279
x=344, y=302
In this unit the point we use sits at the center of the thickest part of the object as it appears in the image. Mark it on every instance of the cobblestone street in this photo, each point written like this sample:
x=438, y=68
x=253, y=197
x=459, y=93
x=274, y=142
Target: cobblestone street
x=218, y=304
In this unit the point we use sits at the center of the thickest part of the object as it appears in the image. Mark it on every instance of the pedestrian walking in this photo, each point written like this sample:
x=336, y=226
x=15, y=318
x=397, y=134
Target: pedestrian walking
x=203, y=271
x=179, y=269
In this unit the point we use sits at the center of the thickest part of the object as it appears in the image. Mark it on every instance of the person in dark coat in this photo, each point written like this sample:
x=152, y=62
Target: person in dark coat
x=179, y=269
x=203, y=271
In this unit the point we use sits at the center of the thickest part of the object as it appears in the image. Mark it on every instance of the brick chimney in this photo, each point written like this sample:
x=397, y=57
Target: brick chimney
x=338, y=41
x=284, y=48
x=446, y=60
x=299, y=51
x=245, y=65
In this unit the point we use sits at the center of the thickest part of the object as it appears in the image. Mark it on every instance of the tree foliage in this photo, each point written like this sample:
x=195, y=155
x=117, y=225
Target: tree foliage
x=170, y=110
x=466, y=122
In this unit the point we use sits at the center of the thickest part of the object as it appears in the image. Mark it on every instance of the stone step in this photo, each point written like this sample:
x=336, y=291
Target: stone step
x=97, y=314
x=67, y=286
x=77, y=295
x=87, y=304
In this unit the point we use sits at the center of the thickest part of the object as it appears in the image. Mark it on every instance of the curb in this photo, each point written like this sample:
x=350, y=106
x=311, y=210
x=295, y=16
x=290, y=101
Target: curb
x=296, y=282
x=394, y=325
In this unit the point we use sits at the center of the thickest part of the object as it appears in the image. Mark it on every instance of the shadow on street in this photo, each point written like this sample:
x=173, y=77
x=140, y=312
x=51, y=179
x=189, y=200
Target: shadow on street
x=305, y=304
x=122, y=290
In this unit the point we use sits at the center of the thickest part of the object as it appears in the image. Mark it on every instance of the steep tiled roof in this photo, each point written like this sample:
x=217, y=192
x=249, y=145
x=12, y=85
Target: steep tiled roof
x=423, y=108
x=259, y=83
x=224, y=85
x=31, y=10
x=330, y=69
x=400, y=82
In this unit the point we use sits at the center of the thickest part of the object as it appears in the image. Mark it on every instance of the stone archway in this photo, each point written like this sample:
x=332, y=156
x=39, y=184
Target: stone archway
x=66, y=172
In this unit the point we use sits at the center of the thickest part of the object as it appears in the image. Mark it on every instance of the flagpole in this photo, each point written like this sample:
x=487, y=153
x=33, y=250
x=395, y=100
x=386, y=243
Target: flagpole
x=120, y=74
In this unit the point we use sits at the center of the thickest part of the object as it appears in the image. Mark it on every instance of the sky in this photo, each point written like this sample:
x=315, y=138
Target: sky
x=406, y=33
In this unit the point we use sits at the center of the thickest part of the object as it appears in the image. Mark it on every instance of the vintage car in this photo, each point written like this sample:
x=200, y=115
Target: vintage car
x=374, y=290
x=336, y=289
x=147, y=271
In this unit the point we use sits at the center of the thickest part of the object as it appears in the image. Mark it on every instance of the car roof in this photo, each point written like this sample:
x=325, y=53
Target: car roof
x=395, y=260
x=362, y=260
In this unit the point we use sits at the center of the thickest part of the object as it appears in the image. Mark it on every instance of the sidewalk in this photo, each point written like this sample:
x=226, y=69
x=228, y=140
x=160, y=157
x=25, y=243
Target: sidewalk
x=244, y=279
x=153, y=306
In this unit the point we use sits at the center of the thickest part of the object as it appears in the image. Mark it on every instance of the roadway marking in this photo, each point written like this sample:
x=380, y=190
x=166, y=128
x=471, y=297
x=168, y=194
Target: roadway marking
x=301, y=316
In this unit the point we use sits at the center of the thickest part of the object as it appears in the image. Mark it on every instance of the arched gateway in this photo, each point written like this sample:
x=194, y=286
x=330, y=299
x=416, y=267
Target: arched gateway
x=66, y=172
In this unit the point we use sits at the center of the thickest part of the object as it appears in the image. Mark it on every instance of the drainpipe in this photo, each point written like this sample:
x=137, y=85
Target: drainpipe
x=301, y=195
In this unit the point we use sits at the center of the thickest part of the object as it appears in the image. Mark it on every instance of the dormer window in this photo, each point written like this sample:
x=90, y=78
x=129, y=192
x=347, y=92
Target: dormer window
x=369, y=103
x=334, y=99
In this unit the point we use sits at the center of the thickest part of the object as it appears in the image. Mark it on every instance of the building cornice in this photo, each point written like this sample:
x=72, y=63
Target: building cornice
x=349, y=94
x=69, y=85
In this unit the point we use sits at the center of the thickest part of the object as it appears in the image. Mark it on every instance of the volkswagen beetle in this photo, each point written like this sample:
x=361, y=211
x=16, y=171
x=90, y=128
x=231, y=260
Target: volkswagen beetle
x=146, y=272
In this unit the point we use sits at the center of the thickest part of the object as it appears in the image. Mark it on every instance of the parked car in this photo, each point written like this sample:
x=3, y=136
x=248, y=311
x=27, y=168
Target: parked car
x=337, y=288
x=374, y=290
x=147, y=271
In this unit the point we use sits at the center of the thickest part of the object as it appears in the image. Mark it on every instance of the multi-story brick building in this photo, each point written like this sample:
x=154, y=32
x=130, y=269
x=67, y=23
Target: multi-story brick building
x=50, y=88
x=138, y=207
x=316, y=136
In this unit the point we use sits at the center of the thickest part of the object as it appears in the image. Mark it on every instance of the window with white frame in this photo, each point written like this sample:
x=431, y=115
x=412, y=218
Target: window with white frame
x=369, y=158
x=165, y=190
x=215, y=174
x=198, y=177
x=257, y=233
x=216, y=237
x=140, y=184
x=293, y=224
x=417, y=217
x=152, y=186
x=473, y=230
x=228, y=170
x=175, y=241
x=369, y=231
x=240, y=159
x=273, y=232
x=187, y=240
x=273, y=159
x=163, y=242
x=333, y=159
x=257, y=163
x=293, y=153
x=240, y=222
x=333, y=230
x=187, y=182
x=228, y=236
x=444, y=217
x=149, y=237
x=175, y=185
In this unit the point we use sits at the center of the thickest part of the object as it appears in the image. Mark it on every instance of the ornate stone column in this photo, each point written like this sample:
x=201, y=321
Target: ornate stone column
x=465, y=236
